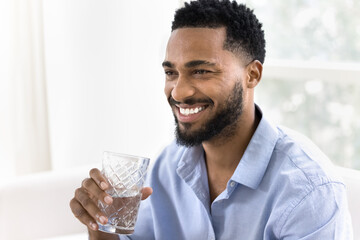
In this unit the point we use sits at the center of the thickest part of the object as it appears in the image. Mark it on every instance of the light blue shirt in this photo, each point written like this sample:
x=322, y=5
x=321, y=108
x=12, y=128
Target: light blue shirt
x=282, y=189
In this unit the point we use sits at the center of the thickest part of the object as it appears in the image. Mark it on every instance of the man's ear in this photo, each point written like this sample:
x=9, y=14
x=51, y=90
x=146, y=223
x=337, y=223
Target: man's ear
x=254, y=73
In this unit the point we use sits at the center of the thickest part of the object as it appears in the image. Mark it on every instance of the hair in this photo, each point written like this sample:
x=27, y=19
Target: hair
x=244, y=34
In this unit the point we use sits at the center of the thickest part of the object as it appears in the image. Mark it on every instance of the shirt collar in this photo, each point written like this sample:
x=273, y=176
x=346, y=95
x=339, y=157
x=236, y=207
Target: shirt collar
x=188, y=165
x=255, y=160
x=253, y=163
x=191, y=168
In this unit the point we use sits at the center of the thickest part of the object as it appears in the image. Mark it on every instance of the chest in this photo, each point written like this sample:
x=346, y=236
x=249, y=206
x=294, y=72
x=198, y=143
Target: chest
x=217, y=183
x=226, y=218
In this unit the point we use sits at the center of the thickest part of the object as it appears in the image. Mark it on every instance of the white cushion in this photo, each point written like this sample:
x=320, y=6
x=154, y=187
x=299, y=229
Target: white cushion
x=352, y=180
x=37, y=206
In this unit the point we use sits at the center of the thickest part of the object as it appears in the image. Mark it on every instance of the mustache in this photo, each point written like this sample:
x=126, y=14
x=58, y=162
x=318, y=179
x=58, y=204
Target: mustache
x=190, y=101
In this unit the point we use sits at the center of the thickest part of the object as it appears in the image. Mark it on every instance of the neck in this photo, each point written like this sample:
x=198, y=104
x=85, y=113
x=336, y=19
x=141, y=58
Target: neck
x=224, y=153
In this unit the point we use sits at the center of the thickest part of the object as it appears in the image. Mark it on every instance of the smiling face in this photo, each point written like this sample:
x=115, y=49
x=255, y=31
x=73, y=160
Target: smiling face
x=204, y=85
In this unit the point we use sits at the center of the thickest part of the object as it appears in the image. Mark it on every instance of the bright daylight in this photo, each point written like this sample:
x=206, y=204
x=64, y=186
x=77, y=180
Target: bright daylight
x=203, y=119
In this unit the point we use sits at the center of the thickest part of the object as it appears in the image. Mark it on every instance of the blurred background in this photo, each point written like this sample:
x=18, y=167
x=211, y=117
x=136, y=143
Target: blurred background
x=78, y=77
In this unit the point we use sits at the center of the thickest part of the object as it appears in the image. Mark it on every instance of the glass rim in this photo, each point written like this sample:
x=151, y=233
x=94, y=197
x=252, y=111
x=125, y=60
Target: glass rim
x=125, y=155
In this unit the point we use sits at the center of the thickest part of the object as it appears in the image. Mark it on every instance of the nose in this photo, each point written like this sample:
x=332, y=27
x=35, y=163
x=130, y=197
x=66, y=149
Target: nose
x=183, y=89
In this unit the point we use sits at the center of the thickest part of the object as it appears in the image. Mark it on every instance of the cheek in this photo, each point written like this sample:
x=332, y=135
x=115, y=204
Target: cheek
x=217, y=92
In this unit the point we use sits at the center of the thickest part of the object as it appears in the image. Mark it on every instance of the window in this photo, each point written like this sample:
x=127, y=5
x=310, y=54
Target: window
x=321, y=102
x=311, y=74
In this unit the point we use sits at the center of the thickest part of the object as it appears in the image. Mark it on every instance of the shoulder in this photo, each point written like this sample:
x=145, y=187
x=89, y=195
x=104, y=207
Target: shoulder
x=298, y=167
x=167, y=162
x=300, y=156
x=170, y=155
x=306, y=180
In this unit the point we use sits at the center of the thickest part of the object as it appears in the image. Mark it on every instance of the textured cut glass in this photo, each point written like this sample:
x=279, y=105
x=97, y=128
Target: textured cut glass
x=126, y=176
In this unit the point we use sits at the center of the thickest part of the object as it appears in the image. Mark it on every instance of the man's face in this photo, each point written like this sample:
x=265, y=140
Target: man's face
x=203, y=85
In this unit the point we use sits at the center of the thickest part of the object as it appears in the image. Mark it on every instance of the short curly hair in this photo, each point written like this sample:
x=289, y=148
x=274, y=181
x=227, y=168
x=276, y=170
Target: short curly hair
x=244, y=34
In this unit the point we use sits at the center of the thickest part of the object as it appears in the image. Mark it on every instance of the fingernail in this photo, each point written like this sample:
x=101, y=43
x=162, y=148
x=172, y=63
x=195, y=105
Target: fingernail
x=102, y=219
x=93, y=226
x=108, y=200
x=103, y=185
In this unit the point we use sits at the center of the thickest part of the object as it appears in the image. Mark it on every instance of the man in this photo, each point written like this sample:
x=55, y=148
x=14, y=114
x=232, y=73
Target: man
x=230, y=174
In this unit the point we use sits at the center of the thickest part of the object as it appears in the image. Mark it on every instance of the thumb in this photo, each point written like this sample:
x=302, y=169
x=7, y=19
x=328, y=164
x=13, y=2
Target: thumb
x=146, y=192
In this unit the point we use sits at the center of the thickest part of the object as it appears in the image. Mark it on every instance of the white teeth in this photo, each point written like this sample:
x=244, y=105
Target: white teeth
x=189, y=111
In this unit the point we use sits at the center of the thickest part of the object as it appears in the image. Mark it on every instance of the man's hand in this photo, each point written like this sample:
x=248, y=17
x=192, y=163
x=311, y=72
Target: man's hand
x=84, y=204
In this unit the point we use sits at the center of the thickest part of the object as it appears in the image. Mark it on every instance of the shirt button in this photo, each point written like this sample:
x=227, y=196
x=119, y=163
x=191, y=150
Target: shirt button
x=232, y=184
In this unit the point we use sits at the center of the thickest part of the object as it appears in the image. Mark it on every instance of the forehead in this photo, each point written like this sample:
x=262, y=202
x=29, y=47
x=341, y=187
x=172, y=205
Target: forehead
x=187, y=44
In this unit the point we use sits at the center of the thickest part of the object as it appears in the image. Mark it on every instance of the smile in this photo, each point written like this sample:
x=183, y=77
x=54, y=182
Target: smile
x=190, y=111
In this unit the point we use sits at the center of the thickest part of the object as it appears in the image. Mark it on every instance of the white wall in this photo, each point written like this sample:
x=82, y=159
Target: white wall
x=6, y=156
x=105, y=80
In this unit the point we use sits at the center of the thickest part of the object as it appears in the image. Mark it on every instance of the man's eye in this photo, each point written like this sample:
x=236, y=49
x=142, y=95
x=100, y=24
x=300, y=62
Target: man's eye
x=201, y=71
x=169, y=73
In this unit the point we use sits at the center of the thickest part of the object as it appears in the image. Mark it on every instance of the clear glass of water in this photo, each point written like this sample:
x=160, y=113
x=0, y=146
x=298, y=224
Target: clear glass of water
x=126, y=176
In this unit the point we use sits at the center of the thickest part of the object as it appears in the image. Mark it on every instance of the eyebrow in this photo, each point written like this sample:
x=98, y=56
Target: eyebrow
x=190, y=64
x=197, y=63
x=167, y=64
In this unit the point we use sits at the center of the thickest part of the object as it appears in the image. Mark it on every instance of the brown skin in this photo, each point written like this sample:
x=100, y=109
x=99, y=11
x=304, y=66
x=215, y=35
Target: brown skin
x=215, y=80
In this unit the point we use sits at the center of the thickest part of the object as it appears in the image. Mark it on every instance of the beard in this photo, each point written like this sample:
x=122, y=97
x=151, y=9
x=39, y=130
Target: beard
x=222, y=125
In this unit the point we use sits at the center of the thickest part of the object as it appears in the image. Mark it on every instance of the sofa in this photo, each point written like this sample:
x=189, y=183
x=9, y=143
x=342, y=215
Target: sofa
x=37, y=206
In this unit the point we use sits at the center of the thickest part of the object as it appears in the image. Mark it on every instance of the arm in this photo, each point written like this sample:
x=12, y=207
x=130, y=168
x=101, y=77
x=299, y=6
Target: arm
x=321, y=214
x=84, y=204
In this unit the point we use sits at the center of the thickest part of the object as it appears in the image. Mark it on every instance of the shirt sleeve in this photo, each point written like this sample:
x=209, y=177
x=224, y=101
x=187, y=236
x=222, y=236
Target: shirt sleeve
x=320, y=214
x=123, y=237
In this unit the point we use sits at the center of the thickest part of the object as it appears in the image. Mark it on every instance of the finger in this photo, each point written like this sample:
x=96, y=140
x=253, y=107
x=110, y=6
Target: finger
x=94, y=192
x=146, y=192
x=81, y=214
x=99, y=179
x=88, y=206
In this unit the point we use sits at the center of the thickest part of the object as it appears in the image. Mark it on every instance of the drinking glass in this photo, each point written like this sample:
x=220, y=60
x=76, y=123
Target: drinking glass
x=125, y=175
